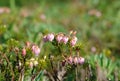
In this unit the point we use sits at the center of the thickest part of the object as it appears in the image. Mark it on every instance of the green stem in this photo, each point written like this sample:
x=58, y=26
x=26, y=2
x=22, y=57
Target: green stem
x=12, y=4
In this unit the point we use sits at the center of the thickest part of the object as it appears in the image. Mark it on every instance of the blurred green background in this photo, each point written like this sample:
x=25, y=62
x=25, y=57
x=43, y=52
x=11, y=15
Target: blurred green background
x=97, y=22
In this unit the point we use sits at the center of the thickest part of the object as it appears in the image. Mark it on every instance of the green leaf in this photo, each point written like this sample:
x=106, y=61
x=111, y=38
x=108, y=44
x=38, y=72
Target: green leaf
x=111, y=68
x=39, y=76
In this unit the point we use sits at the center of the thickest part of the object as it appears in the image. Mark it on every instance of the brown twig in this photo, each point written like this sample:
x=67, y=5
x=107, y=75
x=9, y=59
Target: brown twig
x=55, y=76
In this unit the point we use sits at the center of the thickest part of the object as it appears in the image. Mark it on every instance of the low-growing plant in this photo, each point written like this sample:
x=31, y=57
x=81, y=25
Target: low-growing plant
x=30, y=61
x=57, y=57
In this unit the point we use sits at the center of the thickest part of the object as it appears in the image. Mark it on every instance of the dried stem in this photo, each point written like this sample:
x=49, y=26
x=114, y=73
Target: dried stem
x=76, y=73
x=55, y=76
x=11, y=68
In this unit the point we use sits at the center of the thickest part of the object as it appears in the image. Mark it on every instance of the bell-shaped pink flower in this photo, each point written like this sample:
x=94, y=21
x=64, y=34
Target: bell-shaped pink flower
x=65, y=39
x=23, y=52
x=50, y=37
x=36, y=50
x=73, y=41
x=70, y=60
x=81, y=60
x=59, y=37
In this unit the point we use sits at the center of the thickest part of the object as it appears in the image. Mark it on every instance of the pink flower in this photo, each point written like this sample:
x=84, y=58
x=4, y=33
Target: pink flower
x=73, y=41
x=59, y=37
x=65, y=39
x=70, y=60
x=48, y=37
x=23, y=51
x=75, y=60
x=36, y=50
x=81, y=60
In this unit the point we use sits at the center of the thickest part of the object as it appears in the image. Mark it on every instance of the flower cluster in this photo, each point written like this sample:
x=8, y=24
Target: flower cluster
x=73, y=60
x=61, y=38
x=34, y=48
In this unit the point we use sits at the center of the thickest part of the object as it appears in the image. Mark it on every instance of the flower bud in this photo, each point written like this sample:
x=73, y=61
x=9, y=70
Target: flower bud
x=23, y=52
x=32, y=59
x=20, y=63
x=71, y=32
x=31, y=64
x=45, y=57
x=35, y=63
x=81, y=60
x=28, y=44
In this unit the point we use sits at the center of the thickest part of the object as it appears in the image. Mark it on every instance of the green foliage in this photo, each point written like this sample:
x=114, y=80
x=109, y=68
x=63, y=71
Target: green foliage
x=101, y=61
x=39, y=76
x=12, y=43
